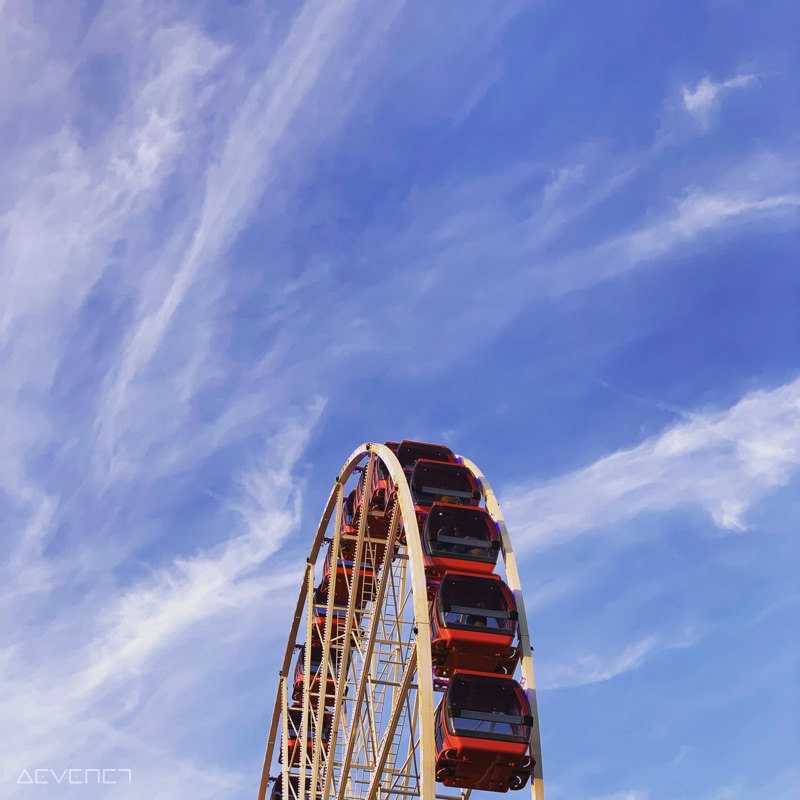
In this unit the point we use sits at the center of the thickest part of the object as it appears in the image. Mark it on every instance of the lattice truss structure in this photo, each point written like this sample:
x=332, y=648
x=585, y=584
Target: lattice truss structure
x=354, y=720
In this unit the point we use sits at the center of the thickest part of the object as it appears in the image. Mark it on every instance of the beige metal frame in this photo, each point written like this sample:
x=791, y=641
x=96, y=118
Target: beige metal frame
x=382, y=737
x=526, y=662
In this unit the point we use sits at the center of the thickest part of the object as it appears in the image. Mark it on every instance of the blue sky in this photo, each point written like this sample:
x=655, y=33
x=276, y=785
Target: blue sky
x=237, y=240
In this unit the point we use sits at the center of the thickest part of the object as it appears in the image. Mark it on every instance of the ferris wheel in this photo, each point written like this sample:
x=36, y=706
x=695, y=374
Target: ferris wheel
x=398, y=678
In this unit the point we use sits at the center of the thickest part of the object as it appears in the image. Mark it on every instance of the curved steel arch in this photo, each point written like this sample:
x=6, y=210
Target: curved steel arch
x=512, y=577
x=413, y=670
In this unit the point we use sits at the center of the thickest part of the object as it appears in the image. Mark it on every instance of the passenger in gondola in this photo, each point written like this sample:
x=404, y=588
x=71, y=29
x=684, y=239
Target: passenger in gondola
x=478, y=620
x=482, y=620
x=450, y=530
x=453, y=530
x=459, y=549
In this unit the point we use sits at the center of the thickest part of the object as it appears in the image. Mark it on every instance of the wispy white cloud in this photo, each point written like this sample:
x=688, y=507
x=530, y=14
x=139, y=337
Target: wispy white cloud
x=731, y=791
x=154, y=615
x=441, y=254
x=701, y=212
x=93, y=257
x=780, y=786
x=593, y=668
x=548, y=592
x=759, y=192
x=703, y=100
x=103, y=239
x=683, y=751
x=74, y=203
x=592, y=769
x=251, y=156
x=625, y=794
x=113, y=646
x=722, y=462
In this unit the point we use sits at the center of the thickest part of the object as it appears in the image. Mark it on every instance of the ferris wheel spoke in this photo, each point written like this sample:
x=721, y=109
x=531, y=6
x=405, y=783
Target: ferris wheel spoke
x=411, y=764
x=344, y=657
x=306, y=702
x=356, y=713
x=406, y=769
x=320, y=757
x=285, y=733
x=394, y=718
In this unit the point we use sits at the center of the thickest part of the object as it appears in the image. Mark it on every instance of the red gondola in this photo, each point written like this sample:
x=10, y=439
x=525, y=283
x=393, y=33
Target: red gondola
x=379, y=517
x=433, y=482
x=314, y=676
x=473, y=625
x=338, y=621
x=378, y=521
x=409, y=452
x=295, y=745
x=349, y=531
x=294, y=780
x=380, y=493
x=349, y=512
x=340, y=617
x=483, y=729
x=459, y=538
x=344, y=572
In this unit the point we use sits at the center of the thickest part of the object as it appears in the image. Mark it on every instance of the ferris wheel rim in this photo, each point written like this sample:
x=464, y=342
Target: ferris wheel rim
x=405, y=515
x=515, y=584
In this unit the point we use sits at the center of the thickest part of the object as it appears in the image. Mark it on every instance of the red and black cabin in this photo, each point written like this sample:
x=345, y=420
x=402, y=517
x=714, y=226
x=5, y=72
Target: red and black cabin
x=433, y=482
x=482, y=732
x=349, y=532
x=295, y=745
x=321, y=602
x=349, y=513
x=314, y=673
x=473, y=625
x=379, y=492
x=294, y=780
x=338, y=622
x=343, y=573
x=409, y=452
x=379, y=516
x=348, y=536
x=459, y=538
